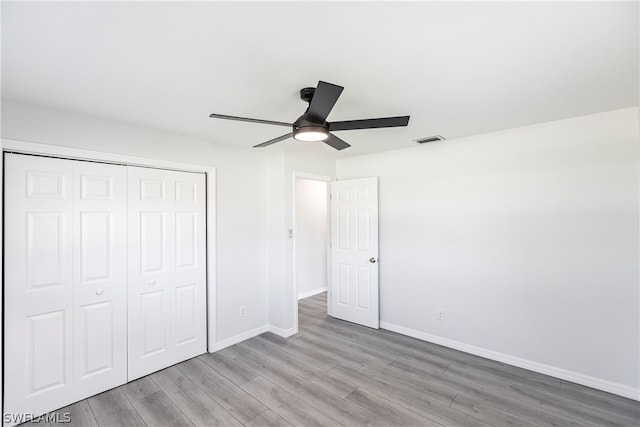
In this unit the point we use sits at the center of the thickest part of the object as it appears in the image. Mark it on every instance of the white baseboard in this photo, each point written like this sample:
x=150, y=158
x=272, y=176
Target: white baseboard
x=239, y=338
x=311, y=293
x=284, y=333
x=575, y=377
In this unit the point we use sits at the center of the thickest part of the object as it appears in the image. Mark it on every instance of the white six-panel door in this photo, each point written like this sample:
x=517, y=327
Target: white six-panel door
x=167, y=271
x=65, y=281
x=353, y=288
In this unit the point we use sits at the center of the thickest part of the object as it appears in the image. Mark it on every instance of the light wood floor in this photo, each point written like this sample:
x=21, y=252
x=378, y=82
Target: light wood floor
x=334, y=373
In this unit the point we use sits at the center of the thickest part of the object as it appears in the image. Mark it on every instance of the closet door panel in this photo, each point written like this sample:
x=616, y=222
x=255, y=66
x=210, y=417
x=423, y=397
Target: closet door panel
x=38, y=283
x=167, y=270
x=190, y=263
x=100, y=276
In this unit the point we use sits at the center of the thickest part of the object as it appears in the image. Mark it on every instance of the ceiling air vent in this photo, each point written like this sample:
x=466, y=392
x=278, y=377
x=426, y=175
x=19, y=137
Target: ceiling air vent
x=430, y=139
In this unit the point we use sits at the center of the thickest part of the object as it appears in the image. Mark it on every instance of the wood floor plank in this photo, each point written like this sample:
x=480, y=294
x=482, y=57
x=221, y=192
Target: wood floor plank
x=291, y=353
x=345, y=330
x=605, y=400
x=372, y=341
x=316, y=310
x=275, y=354
x=500, y=394
x=320, y=377
x=394, y=414
x=322, y=359
x=326, y=402
x=333, y=383
x=436, y=392
x=340, y=346
x=340, y=352
x=76, y=415
x=306, y=313
x=232, y=351
x=268, y=419
x=233, y=371
x=343, y=333
x=517, y=392
x=312, y=309
x=390, y=390
x=287, y=405
x=234, y=399
x=318, y=300
x=197, y=405
x=156, y=409
x=423, y=357
x=112, y=408
x=496, y=403
x=485, y=410
x=142, y=387
x=580, y=411
x=80, y=415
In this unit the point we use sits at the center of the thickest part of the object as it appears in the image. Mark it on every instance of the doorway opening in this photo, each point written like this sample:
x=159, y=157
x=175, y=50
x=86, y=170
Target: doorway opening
x=312, y=233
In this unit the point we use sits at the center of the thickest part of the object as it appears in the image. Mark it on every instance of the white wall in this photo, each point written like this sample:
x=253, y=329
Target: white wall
x=276, y=228
x=241, y=196
x=282, y=166
x=310, y=236
x=527, y=238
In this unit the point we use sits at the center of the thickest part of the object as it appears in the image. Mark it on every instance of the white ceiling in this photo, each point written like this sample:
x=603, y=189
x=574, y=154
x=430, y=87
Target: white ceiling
x=457, y=68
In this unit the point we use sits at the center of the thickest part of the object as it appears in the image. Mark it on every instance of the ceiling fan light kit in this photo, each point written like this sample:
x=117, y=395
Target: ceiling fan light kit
x=312, y=126
x=310, y=133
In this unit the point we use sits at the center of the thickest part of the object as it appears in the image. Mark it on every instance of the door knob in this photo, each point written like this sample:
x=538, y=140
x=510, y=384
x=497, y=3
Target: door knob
x=372, y=260
x=100, y=292
x=152, y=282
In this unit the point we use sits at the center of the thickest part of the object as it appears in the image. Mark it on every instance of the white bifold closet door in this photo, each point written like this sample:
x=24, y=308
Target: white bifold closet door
x=167, y=271
x=65, y=281
x=105, y=277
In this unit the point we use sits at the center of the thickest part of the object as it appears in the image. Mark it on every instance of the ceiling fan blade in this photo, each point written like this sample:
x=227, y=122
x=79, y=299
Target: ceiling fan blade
x=323, y=100
x=336, y=142
x=274, y=140
x=246, y=119
x=384, y=122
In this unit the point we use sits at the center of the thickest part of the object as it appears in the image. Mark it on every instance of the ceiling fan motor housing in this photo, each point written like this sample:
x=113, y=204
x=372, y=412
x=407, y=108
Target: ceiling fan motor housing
x=305, y=129
x=306, y=93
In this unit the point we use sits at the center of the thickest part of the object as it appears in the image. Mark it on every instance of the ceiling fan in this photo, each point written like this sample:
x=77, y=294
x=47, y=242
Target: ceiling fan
x=313, y=125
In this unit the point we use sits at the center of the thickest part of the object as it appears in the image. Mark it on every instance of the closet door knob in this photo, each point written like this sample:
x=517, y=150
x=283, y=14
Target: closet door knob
x=152, y=282
x=100, y=292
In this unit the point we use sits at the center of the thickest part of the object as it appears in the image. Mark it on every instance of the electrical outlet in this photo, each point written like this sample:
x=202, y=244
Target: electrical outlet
x=440, y=314
x=243, y=310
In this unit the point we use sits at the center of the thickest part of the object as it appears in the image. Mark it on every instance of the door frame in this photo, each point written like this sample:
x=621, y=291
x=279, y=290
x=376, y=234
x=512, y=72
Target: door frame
x=24, y=147
x=327, y=180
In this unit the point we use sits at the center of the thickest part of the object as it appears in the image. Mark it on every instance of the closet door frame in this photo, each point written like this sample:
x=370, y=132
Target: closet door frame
x=23, y=147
